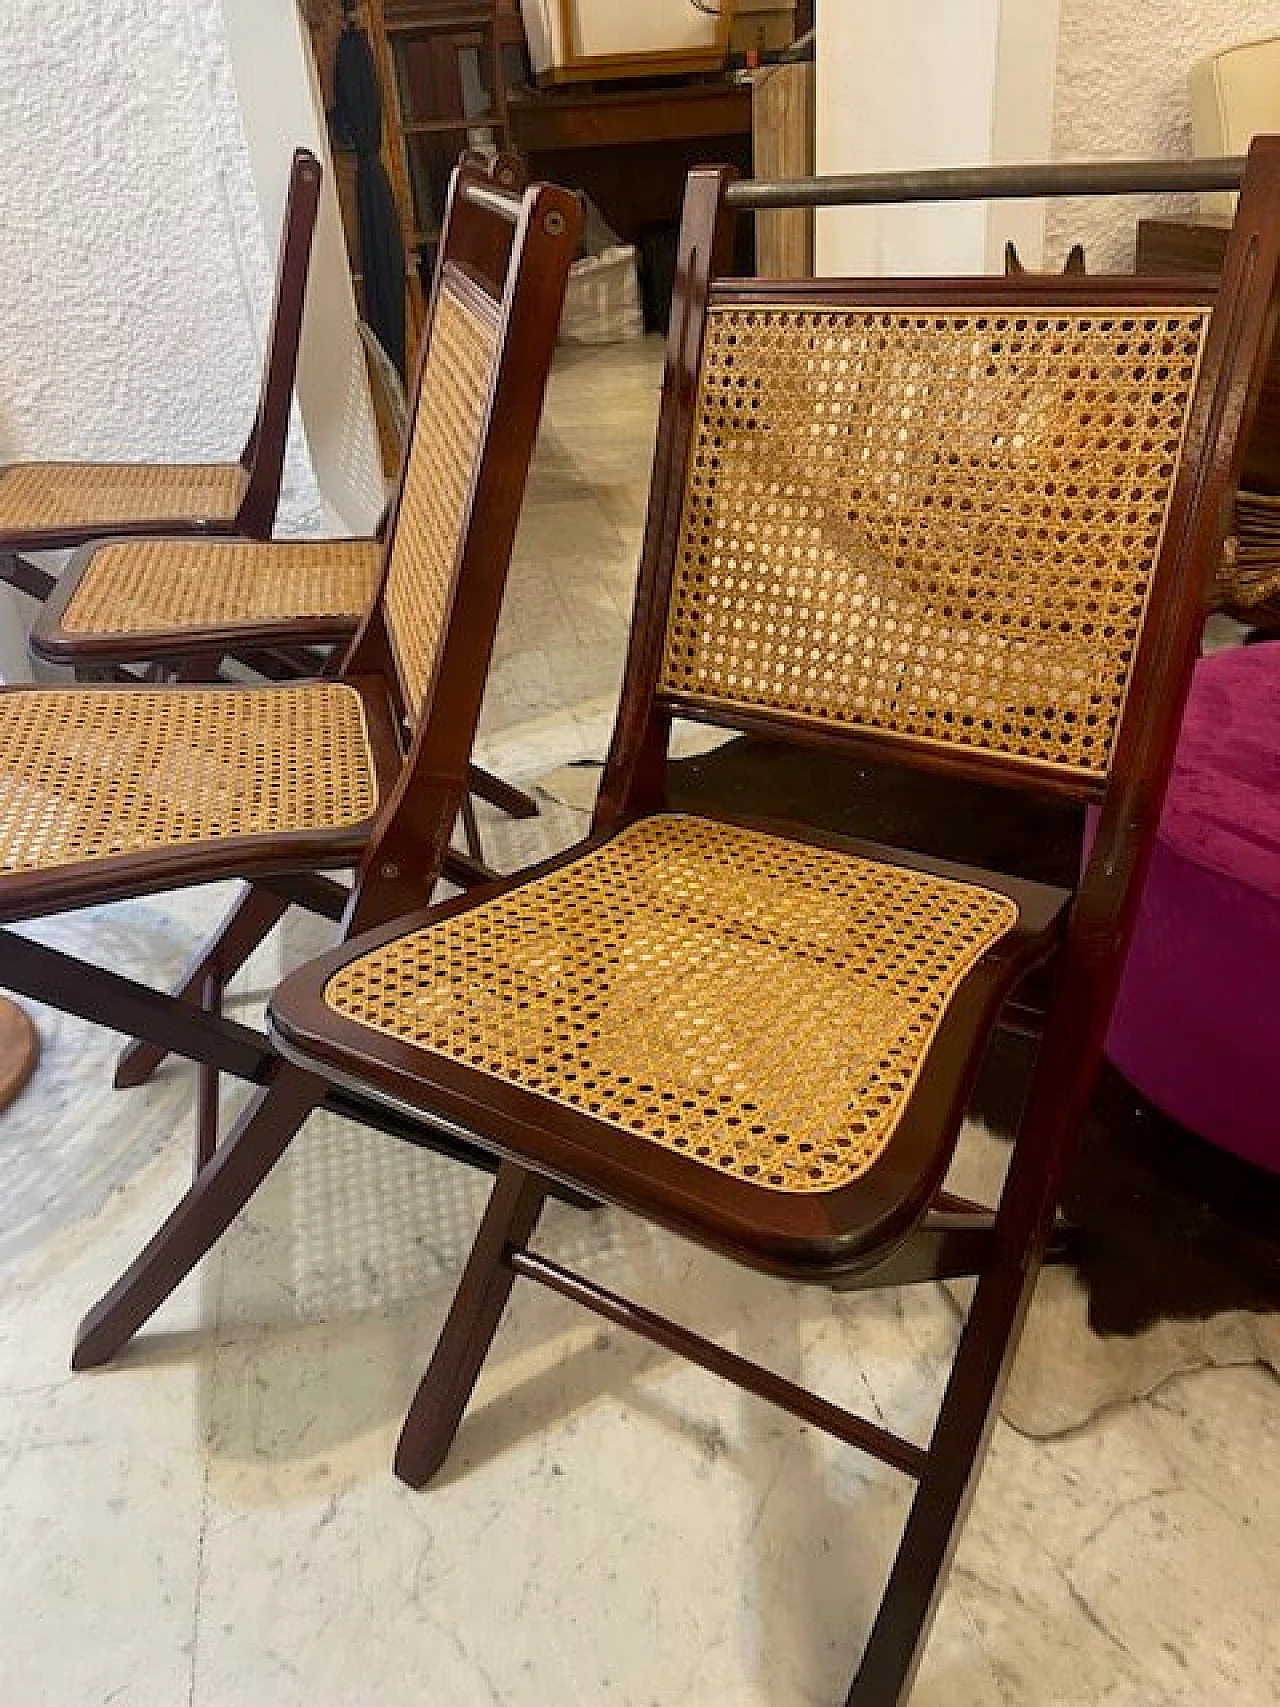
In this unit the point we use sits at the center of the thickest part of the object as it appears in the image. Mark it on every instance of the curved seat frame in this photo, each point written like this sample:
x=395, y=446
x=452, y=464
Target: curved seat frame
x=895, y=1225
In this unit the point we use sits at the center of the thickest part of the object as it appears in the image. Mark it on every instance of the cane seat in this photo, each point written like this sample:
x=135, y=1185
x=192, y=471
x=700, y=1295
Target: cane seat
x=163, y=585
x=37, y=497
x=677, y=954
x=89, y=775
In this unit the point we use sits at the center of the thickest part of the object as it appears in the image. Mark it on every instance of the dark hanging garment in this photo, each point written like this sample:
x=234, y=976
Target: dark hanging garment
x=357, y=116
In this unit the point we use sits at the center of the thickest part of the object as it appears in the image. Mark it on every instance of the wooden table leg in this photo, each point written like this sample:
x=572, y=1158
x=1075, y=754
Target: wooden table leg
x=19, y=1050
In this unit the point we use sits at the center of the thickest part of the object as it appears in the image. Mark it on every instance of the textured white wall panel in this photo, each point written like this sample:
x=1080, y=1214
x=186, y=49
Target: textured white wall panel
x=135, y=271
x=135, y=275
x=1122, y=92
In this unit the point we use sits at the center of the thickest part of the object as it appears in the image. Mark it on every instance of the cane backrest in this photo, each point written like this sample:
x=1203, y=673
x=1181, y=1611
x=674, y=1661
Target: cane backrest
x=936, y=523
x=460, y=362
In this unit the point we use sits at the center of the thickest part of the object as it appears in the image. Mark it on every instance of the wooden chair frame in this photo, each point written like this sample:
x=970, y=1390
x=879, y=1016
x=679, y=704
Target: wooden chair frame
x=262, y=458
x=286, y=647
x=902, y=1227
x=422, y=774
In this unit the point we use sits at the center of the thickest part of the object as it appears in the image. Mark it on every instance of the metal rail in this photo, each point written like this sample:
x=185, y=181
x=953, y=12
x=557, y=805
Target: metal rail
x=981, y=183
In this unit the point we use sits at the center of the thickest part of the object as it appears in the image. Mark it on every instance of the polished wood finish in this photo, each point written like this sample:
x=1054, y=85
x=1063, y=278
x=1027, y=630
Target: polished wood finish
x=398, y=856
x=19, y=1050
x=901, y=1227
x=631, y=150
x=630, y=117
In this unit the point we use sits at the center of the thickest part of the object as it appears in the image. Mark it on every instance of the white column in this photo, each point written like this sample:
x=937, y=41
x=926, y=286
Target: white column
x=1022, y=121
x=281, y=109
x=931, y=83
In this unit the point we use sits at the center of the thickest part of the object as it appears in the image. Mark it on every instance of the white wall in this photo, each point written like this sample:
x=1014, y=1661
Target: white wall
x=902, y=86
x=1023, y=93
x=962, y=82
x=135, y=263
x=134, y=270
x=933, y=83
x=1122, y=91
x=281, y=108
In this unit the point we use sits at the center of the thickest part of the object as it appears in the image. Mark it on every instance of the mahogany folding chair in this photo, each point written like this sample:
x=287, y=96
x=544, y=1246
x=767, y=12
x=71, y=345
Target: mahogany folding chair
x=120, y=790
x=182, y=608
x=188, y=604
x=46, y=506
x=966, y=524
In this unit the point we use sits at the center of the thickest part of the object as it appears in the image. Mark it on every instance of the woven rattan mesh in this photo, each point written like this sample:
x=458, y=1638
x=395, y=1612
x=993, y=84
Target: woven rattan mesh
x=758, y=1005
x=140, y=586
x=940, y=525
x=1249, y=573
x=442, y=457
x=1248, y=577
x=45, y=495
x=1257, y=518
x=100, y=771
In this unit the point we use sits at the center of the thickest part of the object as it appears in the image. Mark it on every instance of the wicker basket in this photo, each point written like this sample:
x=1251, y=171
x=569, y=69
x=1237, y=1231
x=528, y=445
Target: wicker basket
x=1248, y=584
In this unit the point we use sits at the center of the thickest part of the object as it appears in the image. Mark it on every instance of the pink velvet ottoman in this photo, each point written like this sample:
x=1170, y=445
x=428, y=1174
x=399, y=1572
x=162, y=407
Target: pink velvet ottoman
x=1197, y=1025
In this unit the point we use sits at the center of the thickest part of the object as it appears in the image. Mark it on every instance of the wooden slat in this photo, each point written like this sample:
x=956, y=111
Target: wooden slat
x=782, y=147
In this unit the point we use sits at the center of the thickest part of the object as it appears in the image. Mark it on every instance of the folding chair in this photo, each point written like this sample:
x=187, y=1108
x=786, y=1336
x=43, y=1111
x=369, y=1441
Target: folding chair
x=964, y=523
x=114, y=791
x=46, y=506
x=187, y=604
x=183, y=608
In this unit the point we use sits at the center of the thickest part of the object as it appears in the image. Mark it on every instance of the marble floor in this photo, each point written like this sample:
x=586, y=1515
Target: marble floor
x=213, y=1521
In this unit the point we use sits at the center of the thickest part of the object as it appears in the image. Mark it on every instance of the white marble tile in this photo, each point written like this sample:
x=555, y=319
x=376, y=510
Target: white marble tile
x=1133, y=1562
x=101, y=1486
x=98, y=1565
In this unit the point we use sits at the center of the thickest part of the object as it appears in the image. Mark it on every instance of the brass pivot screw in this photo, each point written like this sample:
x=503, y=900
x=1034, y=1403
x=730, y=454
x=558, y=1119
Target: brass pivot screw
x=553, y=224
x=390, y=871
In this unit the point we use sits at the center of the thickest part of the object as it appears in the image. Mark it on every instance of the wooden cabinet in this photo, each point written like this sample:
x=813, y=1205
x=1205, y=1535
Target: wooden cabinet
x=1176, y=246
x=448, y=92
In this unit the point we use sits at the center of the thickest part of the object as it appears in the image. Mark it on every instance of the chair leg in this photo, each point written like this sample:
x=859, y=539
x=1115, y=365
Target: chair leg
x=253, y=915
x=216, y=1196
x=513, y=801
x=27, y=577
x=433, y=1419
x=466, y=872
x=470, y=828
x=965, y=1420
x=206, y=1137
